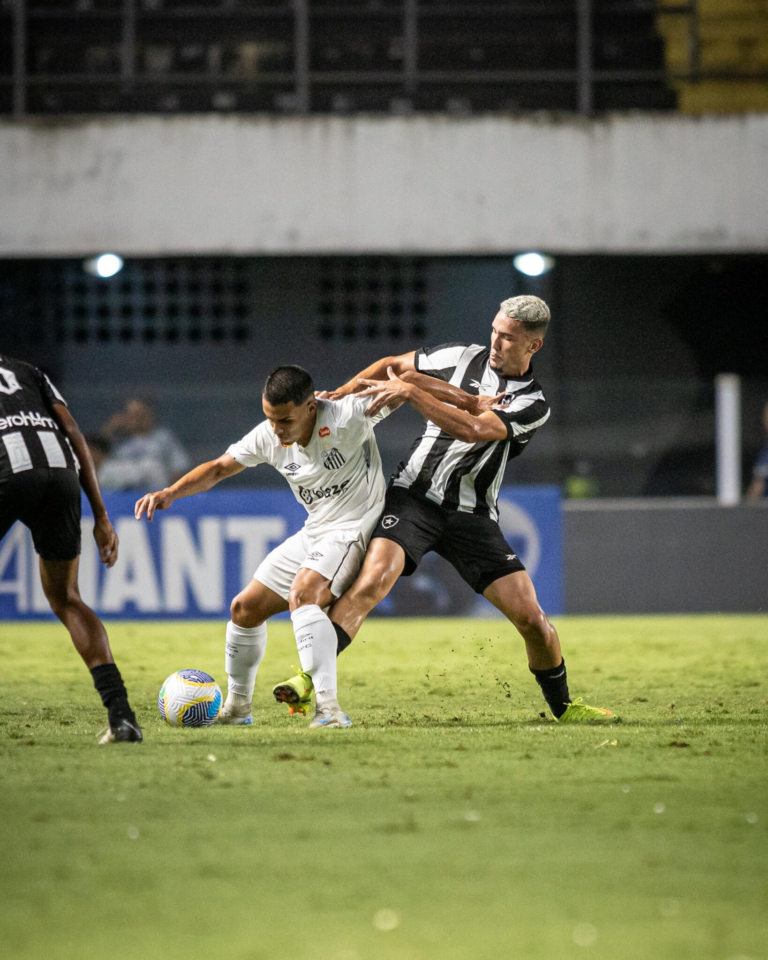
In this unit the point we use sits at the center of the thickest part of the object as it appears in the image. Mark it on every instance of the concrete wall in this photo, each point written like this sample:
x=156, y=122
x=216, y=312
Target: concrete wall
x=665, y=556
x=151, y=185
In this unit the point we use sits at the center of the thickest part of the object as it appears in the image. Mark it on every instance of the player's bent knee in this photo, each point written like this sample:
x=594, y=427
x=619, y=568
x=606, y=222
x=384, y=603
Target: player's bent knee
x=530, y=620
x=63, y=601
x=244, y=614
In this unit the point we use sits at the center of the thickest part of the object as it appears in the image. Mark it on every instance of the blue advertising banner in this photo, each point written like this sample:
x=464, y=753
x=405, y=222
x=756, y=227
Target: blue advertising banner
x=191, y=560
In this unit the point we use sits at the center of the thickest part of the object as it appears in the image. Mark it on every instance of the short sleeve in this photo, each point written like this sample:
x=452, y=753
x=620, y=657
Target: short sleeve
x=523, y=415
x=439, y=362
x=49, y=391
x=350, y=413
x=253, y=449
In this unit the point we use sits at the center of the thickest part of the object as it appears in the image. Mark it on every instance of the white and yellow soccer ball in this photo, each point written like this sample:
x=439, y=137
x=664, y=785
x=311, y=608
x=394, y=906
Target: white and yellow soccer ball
x=189, y=698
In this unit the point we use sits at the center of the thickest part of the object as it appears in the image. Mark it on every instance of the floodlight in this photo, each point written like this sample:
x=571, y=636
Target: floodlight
x=105, y=265
x=533, y=264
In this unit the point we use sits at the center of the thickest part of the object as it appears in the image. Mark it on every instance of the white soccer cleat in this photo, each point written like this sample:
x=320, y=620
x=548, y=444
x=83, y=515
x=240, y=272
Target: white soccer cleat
x=330, y=715
x=235, y=716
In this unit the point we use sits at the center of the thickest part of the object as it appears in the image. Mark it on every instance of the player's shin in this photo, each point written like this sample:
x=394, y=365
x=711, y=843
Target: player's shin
x=316, y=642
x=245, y=650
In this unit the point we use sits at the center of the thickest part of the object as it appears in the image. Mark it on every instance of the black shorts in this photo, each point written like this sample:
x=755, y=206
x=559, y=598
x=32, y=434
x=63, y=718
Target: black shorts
x=48, y=502
x=474, y=545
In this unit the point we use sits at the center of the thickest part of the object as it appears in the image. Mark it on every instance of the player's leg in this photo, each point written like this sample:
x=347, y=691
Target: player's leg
x=515, y=596
x=315, y=636
x=59, y=579
x=383, y=565
x=476, y=547
x=409, y=527
x=246, y=644
x=51, y=509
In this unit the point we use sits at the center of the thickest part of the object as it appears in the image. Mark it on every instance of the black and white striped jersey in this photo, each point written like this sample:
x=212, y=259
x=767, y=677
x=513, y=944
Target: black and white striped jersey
x=29, y=436
x=467, y=476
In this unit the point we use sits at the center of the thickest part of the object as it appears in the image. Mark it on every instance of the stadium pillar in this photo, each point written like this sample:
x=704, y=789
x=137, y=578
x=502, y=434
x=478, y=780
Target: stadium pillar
x=728, y=438
x=584, y=57
x=20, y=59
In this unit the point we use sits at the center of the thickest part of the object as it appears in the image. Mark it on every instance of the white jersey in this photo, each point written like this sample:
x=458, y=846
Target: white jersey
x=338, y=476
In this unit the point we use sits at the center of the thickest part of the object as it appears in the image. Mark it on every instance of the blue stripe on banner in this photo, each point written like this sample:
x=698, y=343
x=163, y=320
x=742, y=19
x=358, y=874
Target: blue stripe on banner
x=194, y=558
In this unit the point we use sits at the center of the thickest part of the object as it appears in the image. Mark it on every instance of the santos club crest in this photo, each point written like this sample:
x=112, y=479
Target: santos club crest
x=332, y=459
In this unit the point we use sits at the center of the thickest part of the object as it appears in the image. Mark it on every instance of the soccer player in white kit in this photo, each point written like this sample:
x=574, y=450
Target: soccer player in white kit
x=327, y=452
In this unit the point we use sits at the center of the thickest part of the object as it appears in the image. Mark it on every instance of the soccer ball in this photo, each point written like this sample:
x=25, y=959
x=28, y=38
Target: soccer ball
x=189, y=698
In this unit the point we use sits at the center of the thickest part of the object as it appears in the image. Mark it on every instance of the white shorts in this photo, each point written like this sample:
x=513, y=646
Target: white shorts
x=337, y=560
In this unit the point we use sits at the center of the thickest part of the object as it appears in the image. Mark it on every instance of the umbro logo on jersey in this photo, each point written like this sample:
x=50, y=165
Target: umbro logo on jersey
x=389, y=521
x=292, y=468
x=332, y=459
x=315, y=556
x=324, y=432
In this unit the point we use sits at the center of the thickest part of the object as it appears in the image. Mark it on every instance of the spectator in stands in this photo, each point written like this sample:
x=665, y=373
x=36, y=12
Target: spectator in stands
x=759, y=486
x=147, y=457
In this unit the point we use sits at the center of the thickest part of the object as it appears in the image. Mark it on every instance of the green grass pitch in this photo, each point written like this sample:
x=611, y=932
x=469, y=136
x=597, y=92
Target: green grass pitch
x=451, y=822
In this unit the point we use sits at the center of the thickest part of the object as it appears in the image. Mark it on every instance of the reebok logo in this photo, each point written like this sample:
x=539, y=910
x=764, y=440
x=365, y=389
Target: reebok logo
x=26, y=420
x=511, y=556
x=389, y=521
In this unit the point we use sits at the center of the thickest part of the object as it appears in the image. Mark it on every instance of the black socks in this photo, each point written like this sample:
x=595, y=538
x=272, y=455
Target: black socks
x=343, y=638
x=110, y=687
x=554, y=686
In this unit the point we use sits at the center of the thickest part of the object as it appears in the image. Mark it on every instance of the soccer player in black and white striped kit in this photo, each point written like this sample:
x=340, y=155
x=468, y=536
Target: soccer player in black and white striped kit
x=482, y=406
x=44, y=461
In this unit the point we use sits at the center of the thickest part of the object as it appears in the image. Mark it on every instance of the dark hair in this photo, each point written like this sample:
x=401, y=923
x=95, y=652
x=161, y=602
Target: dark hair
x=288, y=384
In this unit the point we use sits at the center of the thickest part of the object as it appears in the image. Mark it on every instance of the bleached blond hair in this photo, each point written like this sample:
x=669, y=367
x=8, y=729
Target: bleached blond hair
x=531, y=311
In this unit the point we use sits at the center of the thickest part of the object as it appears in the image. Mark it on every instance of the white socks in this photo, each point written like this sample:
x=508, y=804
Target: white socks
x=316, y=642
x=246, y=647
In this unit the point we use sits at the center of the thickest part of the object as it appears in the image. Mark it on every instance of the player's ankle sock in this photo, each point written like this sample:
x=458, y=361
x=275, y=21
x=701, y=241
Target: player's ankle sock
x=110, y=687
x=245, y=650
x=343, y=639
x=316, y=642
x=327, y=698
x=554, y=686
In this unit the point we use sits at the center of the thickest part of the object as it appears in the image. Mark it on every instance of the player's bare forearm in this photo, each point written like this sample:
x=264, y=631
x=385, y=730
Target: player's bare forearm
x=201, y=478
x=88, y=479
x=440, y=390
x=204, y=477
x=457, y=423
x=376, y=371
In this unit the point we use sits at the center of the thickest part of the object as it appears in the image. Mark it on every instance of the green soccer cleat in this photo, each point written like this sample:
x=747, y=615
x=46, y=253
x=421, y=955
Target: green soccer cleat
x=296, y=692
x=579, y=712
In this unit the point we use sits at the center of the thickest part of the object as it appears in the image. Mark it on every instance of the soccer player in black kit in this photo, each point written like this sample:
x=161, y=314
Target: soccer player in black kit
x=44, y=460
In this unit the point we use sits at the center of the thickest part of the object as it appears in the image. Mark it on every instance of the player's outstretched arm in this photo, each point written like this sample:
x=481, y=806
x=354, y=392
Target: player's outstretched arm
x=202, y=478
x=376, y=371
x=459, y=424
x=103, y=531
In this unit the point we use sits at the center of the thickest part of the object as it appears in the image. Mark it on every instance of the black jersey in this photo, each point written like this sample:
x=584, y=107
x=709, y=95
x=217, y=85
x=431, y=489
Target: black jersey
x=30, y=438
x=467, y=476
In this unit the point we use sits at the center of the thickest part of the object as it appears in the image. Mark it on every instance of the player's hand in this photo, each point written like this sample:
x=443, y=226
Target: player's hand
x=151, y=502
x=336, y=394
x=106, y=540
x=390, y=393
x=483, y=404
